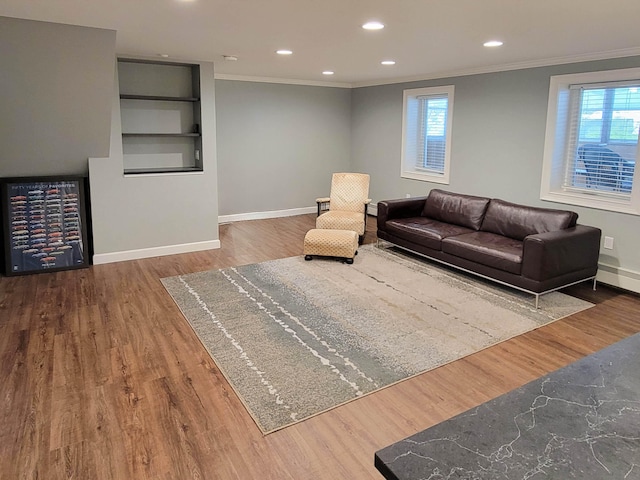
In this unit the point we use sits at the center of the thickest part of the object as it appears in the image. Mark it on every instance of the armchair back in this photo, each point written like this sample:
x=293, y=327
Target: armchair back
x=349, y=192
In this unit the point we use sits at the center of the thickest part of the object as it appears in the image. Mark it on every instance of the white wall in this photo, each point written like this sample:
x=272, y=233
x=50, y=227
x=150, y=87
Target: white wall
x=497, y=147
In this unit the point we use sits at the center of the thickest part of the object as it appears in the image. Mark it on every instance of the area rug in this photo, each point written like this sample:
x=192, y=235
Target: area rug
x=297, y=338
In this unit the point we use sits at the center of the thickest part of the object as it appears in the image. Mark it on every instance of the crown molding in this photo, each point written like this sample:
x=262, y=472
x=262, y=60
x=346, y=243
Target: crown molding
x=288, y=81
x=548, y=62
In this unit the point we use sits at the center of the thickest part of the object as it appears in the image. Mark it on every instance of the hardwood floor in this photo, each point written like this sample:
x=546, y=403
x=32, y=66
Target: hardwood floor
x=102, y=378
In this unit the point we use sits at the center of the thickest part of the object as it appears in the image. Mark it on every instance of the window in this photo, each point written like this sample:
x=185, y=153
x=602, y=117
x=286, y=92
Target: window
x=426, y=134
x=591, y=144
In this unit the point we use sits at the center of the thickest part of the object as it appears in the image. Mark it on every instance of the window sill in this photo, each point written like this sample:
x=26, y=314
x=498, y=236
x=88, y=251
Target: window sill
x=592, y=201
x=425, y=177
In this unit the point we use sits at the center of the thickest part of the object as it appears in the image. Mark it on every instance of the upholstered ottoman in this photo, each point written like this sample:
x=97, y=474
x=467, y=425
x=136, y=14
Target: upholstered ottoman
x=331, y=243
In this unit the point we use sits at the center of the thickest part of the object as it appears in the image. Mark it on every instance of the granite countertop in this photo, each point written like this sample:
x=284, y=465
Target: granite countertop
x=580, y=422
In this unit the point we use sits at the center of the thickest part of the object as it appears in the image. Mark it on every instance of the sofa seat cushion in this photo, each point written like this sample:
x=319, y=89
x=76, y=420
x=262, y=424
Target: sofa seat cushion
x=464, y=210
x=518, y=221
x=424, y=231
x=486, y=248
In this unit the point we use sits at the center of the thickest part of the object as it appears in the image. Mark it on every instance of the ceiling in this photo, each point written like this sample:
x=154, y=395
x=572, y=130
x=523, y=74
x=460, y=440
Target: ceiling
x=426, y=38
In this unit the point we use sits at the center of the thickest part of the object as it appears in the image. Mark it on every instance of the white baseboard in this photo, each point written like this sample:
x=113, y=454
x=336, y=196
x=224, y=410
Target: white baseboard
x=262, y=215
x=101, y=258
x=238, y=217
x=619, y=277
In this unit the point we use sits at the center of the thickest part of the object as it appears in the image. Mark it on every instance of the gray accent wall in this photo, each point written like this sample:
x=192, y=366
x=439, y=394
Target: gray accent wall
x=56, y=83
x=499, y=122
x=279, y=144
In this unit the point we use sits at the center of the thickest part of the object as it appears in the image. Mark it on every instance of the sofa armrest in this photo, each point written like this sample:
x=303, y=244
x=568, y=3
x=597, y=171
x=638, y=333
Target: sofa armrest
x=399, y=208
x=550, y=254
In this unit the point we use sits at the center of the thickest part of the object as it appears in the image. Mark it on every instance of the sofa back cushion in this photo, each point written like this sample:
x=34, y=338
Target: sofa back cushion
x=518, y=221
x=464, y=210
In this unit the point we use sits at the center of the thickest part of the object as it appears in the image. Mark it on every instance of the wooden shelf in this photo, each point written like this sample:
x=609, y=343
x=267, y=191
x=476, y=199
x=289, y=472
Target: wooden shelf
x=159, y=98
x=160, y=109
x=160, y=134
x=141, y=171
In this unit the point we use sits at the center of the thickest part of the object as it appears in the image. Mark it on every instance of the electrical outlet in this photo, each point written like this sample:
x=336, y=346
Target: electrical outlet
x=608, y=243
x=407, y=195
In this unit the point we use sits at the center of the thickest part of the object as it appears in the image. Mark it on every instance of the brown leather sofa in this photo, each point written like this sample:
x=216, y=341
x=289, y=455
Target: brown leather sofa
x=536, y=250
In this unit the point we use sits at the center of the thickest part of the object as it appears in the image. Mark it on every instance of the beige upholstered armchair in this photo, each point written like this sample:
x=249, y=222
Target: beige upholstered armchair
x=347, y=205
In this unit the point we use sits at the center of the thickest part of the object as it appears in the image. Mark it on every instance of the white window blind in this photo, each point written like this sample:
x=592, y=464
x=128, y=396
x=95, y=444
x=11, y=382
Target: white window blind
x=427, y=133
x=591, y=148
x=603, y=137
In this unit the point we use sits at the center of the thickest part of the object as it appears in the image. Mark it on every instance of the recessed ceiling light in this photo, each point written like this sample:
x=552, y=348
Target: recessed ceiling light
x=328, y=72
x=493, y=43
x=230, y=58
x=388, y=62
x=163, y=55
x=284, y=52
x=373, y=26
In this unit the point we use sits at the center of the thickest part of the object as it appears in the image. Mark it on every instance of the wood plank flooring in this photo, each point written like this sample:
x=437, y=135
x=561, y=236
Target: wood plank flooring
x=102, y=378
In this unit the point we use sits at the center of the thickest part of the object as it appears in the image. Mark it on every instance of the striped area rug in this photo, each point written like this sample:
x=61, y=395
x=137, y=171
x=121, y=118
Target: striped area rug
x=296, y=338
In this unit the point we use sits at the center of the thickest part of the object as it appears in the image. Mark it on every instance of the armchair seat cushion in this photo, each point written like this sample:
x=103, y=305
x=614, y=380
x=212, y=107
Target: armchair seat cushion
x=341, y=220
x=487, y=248
x=424, y=231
